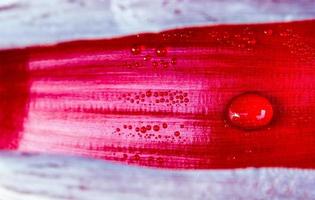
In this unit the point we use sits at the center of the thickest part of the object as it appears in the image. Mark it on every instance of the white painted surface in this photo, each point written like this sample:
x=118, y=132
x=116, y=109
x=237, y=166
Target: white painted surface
x=31, y=22
x=43, y=177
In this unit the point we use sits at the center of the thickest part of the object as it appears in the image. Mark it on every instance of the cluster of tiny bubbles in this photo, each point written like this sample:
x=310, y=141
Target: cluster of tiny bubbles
x=248, y=38
x=158, y=131
x=132, y=64
x=150, y=131
x=243, y=39
x=181, y=36
x=136, y=157
x=296, y=116
x=220, y=37
x=158, y=57
x=135, y=50
x=296, y=45
x=168, y=98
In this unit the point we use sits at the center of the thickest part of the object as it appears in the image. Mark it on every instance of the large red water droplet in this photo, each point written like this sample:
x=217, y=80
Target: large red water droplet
x=250, y=111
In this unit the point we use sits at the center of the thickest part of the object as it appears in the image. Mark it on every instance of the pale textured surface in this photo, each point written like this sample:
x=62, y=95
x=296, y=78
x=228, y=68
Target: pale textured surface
x=50, y=177
x=29, y=22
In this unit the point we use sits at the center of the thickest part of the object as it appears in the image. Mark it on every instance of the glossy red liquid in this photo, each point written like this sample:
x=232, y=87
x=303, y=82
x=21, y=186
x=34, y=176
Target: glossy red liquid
x=161, y=99
x=250, y=111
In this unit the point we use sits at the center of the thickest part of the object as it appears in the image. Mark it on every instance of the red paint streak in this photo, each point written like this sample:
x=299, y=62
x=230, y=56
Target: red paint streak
x=160, y=99
x=14, y=91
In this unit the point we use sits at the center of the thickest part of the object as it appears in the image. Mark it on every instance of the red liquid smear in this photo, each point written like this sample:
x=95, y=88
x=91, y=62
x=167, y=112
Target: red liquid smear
x=160, y=99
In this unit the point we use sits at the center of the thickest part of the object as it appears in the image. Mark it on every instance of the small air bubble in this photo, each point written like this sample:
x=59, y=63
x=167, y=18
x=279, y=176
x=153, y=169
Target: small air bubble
x=161, y=51
x=147, y=58
x=148, y=93
x=136, y=157
x=164, y=125
x=268, y=32
x=143, y=129
x=155, y=64
x=125, y=156
x=135, y=50
x=252, y=41
x=173, y=61
x=177, y=133
x=156, y=128
x=165, y=64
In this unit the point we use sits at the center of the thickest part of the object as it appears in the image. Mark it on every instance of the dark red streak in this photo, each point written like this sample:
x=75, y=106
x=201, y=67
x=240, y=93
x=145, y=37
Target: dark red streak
x=161, y=99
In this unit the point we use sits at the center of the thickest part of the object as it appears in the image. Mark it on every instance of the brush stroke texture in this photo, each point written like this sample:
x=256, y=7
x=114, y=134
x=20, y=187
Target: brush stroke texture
x=160, y=99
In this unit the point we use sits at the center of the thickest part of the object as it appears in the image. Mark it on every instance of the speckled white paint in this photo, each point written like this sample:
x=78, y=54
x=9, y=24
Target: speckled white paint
x=39, y=177
x=32, y=22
